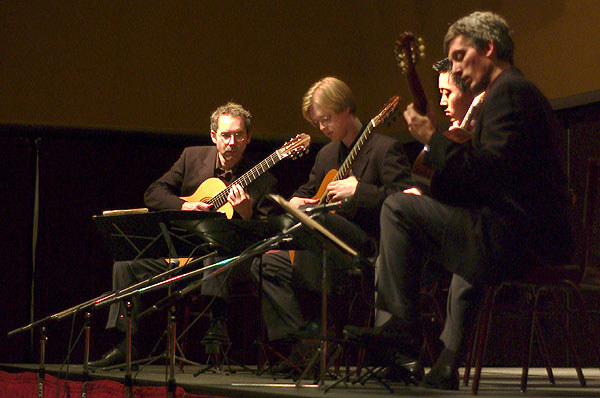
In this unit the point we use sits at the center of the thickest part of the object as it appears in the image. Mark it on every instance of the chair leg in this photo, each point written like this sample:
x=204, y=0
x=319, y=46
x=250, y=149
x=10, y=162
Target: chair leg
x=562, y=322
x=544, y=351
x=470, y=349
x=590, y=327
x=482, y=338
x=531, y=321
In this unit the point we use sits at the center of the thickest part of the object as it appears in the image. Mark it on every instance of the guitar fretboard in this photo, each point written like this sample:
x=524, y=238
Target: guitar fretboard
x=221, y=198
x=345, y=167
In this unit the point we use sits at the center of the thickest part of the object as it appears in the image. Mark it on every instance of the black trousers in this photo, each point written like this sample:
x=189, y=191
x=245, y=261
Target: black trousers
x=291, y=293
x=461, y=312
x=413, y=229
x=280, y=307
x=127, y=273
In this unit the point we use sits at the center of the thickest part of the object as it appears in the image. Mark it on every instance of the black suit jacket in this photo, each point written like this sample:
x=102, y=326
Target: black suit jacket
x=381, y=168
x=194, y=166
x=510, y=178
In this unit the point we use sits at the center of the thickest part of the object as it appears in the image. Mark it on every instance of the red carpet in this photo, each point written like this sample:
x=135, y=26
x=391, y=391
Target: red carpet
x=25, y=385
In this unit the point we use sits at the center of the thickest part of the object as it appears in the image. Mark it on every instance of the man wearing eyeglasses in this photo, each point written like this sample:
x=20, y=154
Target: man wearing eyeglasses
x=291, y=300
x=230, y=131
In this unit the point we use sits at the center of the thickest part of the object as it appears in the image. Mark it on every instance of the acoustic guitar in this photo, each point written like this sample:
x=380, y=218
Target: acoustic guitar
x=215, y=192
x=406, y=49
x=387, y=112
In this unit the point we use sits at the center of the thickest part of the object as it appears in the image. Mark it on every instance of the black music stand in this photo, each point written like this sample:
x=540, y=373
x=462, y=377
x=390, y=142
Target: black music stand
x=135, y=232
x=326, y=240
x=138, y=233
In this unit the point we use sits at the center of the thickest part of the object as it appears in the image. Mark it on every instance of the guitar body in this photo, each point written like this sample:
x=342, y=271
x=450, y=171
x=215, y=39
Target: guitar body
x=385, y=114
x=206, y=191
x=215, y=192
x=329, y=177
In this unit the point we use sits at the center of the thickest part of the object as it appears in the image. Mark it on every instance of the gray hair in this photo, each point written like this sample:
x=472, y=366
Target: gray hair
x=232, y=109
x=481, y=27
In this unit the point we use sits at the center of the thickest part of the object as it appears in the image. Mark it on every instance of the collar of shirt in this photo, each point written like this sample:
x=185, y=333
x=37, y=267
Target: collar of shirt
x=225, y=175
x=345, y=151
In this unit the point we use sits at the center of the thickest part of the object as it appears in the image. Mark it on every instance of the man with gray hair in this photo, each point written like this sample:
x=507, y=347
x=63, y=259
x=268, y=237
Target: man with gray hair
x=499, y=207
x=230, y=131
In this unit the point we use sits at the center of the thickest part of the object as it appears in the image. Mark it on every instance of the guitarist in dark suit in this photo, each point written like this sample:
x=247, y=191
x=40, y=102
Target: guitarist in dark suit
x=380, y=169
x=230, y=131
x=500, y=205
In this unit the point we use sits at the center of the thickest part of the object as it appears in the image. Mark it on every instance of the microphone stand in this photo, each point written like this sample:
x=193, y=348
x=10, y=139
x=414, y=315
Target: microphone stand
x=326, y=238
x=96, y=302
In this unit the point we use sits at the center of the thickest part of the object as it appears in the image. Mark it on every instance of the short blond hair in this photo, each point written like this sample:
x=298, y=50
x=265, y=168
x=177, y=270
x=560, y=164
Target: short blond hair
x=335, y=96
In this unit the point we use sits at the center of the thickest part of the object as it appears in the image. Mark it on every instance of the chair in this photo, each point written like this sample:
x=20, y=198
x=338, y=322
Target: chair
x=543, y=299
x=432, y=316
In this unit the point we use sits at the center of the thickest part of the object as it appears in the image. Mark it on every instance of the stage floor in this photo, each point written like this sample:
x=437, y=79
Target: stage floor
x=495, y=382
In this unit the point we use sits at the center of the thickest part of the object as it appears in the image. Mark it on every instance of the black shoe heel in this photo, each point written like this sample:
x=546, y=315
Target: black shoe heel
x=442, y=378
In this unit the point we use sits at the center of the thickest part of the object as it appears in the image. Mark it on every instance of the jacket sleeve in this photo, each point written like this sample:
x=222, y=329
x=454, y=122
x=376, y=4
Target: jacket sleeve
x=476, y=171
x=163, y=194
x=393, y=174
x=317, y=173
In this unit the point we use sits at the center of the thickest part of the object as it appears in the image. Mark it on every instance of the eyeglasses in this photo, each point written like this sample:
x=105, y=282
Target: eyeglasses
x=323, y=120
x=239, y=136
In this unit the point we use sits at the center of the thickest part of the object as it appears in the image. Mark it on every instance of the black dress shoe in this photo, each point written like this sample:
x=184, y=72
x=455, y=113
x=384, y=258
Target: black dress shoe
x=115, y=356
x=442, y=378
x=389, y=338
x=217, y=332
x=403, y=368
x=308, y=331
x=112, y=357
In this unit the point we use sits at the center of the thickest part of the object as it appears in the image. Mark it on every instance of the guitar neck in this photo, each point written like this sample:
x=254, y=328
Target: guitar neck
x=345, y=167
x=416, y=89
x=246, y=179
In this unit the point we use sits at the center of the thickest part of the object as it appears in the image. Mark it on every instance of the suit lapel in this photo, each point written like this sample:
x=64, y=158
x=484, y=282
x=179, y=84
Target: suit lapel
x=206, y=168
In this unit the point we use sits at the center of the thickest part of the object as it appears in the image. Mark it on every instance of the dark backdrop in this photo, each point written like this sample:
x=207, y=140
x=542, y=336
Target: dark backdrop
x=85, y=171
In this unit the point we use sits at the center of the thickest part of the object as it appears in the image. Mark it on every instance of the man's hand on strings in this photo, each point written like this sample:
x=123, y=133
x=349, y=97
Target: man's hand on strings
x=341, y=189
x=240, y=200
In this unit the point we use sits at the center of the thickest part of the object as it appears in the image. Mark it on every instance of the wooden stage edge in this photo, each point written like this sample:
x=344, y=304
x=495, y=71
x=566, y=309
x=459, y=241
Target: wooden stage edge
x=495, y=382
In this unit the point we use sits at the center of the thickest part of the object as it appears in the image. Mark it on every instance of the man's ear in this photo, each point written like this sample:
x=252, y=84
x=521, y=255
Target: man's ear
x=489, y=49
x=213, y=136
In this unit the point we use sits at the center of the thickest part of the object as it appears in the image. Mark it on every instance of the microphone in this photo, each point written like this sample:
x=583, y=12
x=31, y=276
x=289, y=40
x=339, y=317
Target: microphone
x=337, y=205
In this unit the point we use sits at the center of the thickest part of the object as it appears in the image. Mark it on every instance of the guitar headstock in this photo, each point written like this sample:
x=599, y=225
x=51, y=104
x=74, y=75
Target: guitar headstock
x=295, y=147
x=408, y=49
x=387, y=112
